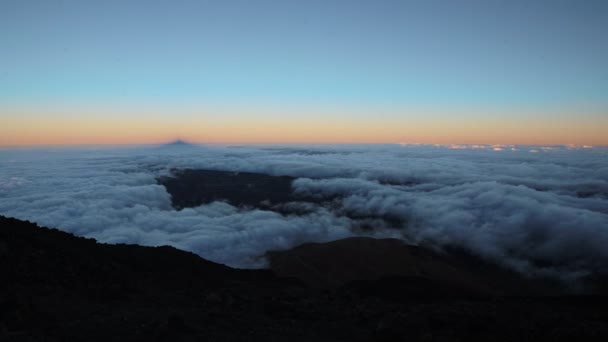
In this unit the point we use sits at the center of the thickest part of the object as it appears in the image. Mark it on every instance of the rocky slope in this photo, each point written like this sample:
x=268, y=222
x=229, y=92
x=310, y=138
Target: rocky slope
x=58, y=287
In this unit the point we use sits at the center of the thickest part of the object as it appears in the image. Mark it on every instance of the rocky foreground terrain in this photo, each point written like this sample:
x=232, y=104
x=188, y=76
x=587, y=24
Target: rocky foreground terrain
x=58, y=287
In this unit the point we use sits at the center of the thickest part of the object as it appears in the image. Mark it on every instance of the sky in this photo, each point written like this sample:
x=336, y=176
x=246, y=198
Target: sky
x=132, y=72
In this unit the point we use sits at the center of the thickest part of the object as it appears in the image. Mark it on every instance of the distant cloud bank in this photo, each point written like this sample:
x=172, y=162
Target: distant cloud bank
x=535, y=209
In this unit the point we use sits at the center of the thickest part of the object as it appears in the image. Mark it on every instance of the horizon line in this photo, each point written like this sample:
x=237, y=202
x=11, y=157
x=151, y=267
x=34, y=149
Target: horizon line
x=454, y=145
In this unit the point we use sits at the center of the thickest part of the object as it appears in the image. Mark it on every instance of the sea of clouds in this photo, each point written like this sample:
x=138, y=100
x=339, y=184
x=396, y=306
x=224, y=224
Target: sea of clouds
x=538, y=210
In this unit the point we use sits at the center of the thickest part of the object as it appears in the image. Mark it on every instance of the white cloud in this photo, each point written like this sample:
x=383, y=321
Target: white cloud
x=516, y=208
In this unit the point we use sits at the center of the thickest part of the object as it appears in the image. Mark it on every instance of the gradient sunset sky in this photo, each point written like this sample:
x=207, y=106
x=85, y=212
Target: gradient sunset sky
x=130, y=72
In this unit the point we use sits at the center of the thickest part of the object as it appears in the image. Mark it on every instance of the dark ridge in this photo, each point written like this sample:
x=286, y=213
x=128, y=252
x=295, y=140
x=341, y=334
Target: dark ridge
x=338, y=263
x=454, y=273
x=58, y=287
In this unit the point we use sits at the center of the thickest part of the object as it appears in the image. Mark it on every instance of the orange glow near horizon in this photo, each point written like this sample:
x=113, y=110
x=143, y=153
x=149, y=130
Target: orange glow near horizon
x=24, y=130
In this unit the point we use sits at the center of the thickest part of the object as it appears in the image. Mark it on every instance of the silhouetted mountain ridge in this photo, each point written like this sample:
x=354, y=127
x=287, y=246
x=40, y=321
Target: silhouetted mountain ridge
x=59, y=287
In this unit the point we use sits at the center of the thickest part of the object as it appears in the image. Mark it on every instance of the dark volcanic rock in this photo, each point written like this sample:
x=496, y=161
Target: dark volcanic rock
x=58, y=287
x=418, y=271
x=340, y=262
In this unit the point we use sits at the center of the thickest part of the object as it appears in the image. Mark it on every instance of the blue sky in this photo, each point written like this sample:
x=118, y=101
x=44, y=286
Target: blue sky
x=499, y=56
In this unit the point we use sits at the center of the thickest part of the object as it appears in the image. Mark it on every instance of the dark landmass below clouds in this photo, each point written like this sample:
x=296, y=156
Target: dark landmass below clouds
x=59, y=287
x=192, y=188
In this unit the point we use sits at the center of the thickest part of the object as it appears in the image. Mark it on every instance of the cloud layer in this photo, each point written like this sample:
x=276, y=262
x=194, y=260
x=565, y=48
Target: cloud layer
x=543, y=212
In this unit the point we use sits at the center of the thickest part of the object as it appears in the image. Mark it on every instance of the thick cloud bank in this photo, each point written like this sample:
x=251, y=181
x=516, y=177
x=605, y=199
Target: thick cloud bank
x=539, y=210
